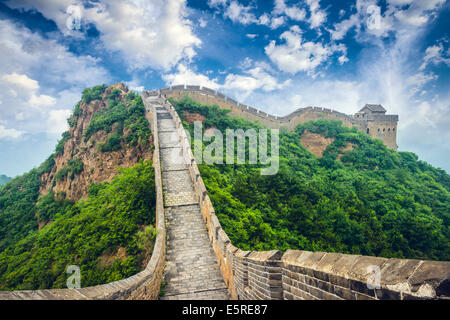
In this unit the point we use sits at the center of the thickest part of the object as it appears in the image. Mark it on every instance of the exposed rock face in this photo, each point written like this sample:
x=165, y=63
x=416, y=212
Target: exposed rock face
x=316, y=143
x=192, y=117
x=97, y=166
x=348, y=147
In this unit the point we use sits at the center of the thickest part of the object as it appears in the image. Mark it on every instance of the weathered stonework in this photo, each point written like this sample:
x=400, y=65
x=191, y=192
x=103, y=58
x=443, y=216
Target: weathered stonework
x=252, y=275
x=369, y=120
x=308, y=275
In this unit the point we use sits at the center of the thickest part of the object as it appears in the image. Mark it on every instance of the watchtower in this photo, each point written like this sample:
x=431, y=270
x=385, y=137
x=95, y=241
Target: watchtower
x=378, y=124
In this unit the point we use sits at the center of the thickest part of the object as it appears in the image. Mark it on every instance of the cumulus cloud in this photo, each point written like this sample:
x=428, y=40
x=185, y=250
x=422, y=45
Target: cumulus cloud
x=57, y=120
x=295, y=54
x=317, y=16
x=400, y=16
x=239, y=13
x=6, y=133
x=254, y=76
x=146, y=33
x=38, y=79
x=293, y=12
x=184, y=75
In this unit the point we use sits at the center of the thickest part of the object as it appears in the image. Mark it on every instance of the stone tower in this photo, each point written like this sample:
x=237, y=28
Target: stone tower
x=378, y=124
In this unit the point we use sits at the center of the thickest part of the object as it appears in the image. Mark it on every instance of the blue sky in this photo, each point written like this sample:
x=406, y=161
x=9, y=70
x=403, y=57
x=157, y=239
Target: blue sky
x=274, y=55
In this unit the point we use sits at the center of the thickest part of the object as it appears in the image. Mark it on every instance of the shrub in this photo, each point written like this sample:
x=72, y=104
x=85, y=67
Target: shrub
x=94, y=93
x=73, y=167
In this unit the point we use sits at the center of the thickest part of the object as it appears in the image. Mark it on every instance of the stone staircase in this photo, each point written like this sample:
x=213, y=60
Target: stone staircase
x=191, y=271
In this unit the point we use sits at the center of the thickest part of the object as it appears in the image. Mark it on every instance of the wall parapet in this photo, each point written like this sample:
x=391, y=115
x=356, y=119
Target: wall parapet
x=180, y=90
x=143, y=285
x=290, y=121
x=297, y=274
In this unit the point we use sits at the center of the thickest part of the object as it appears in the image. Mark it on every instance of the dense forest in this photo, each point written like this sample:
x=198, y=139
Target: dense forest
x=109, y=234
x=4, y=179
x=370, y=200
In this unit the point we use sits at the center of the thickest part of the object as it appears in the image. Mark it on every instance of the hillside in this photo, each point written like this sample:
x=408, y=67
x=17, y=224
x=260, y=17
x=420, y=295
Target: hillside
x=91, y=203
x=4, y=179
x=337, y=190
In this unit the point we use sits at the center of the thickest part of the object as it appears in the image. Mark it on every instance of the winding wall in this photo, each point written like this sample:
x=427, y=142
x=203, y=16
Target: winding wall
x=383, y=127
x=312, y=275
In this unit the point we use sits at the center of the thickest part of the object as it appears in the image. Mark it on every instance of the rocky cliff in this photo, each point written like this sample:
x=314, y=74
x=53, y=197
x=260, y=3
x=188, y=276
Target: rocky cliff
x=81, y=160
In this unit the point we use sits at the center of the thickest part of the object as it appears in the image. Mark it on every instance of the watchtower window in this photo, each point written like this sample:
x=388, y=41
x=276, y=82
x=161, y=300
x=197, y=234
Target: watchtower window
x=367, y=130
x=384, y=129
x=378, y=129
x=393, y=129
x=389, y=129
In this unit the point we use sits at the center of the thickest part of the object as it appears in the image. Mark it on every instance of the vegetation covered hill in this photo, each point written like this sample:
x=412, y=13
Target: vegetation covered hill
x=357, y=197
x=4, y=179
x=69, y=212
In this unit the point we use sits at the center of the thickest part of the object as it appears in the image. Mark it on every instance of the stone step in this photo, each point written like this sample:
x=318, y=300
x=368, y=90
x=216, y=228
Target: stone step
x=191, y=271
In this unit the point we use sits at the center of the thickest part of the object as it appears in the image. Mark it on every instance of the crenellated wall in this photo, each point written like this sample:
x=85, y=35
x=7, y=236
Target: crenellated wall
x=144, y=285
x=300, y=274
x=292, y=120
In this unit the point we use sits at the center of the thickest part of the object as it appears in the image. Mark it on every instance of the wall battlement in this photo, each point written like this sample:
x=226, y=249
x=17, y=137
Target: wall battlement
x=296, y=274
x=377, y=125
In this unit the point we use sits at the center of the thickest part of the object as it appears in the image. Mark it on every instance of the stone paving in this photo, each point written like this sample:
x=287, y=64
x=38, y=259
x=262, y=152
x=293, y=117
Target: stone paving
x=191, y=271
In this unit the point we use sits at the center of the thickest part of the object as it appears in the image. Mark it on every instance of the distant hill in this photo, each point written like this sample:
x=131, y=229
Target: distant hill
x=337, y=190
x=4, y=179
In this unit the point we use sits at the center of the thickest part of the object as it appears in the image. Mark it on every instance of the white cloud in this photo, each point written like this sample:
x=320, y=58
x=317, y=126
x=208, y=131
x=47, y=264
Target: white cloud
x=419, y=80
x=10, y=133
x=435, y=55
x=184, y=75
x=253, y=79
x=251, y=35
x=202, y=23
x=254, y=76
x=134, y=85
x=147, y=33
x=400, y=17
x=317, y=16
x=57, y=120
x=264, y=19
x=239, y=13
x=295, y=54
x=21, y=81
x=216, y=3
x=341, y=28
x=38, y=77
x=295, y=13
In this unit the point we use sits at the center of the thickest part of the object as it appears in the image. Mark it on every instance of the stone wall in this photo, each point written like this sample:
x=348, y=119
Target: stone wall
x=300, y=274
x=292, y=120
x=144, y=285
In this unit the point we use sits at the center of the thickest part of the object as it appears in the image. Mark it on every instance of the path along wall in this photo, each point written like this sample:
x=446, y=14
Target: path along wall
x=312, y=275
x=143, y=285
x=292, y=120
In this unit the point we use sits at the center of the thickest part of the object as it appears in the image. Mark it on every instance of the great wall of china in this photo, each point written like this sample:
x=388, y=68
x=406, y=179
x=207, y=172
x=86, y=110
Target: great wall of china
x=372, y=121
x=202, y=263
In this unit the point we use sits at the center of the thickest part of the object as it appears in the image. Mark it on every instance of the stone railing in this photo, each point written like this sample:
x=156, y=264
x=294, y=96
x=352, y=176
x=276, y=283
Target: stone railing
x=312, y=275
x=143, y=285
